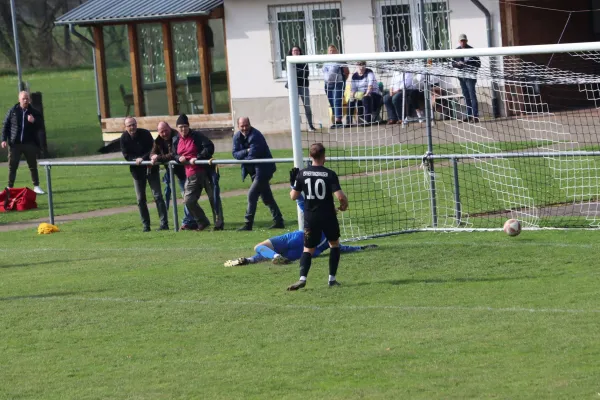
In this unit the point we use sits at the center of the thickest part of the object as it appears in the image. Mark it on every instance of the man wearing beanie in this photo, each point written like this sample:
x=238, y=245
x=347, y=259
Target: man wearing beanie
x=136, y=145
x=467, y=85
x=250, y=144
x=194, y=146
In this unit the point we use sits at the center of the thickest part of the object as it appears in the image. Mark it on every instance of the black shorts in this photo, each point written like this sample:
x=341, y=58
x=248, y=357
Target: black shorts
x=315, y=226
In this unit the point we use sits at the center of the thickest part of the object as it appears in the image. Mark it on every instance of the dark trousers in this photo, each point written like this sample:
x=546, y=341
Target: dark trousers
x=14, y=157
x=193, y=189
x=187, y=218
x=366, y=107
x=261, y=188
x=393, y=105
x=139, y=183
x=468, y=88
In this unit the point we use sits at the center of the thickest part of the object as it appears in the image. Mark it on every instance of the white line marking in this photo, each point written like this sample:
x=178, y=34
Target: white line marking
x=319, y=308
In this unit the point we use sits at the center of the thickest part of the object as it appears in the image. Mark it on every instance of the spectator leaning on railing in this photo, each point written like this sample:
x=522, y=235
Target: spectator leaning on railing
x=193, y=146
x=250, y=144
x=136, y=145
x=163, y=151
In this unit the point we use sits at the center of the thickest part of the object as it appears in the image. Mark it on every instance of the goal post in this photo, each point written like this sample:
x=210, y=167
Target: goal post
x=511, y=134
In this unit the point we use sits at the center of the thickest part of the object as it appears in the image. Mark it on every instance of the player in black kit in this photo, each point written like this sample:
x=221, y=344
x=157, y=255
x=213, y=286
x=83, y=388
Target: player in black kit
x=318, y=185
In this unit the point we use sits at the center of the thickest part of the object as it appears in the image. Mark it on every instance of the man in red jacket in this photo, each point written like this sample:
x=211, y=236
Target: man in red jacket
x=195, y=146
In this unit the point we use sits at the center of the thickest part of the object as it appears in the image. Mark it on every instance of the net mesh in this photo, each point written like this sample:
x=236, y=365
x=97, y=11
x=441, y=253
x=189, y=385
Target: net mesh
x=542, y=110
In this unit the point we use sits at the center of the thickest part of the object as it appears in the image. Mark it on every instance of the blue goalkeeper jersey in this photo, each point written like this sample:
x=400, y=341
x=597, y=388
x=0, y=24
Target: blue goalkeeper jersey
x=291, y=245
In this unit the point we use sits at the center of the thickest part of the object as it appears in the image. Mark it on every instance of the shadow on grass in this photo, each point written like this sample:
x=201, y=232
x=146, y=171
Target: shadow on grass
x=32, y=264
x=49, y=295
x=456, y=280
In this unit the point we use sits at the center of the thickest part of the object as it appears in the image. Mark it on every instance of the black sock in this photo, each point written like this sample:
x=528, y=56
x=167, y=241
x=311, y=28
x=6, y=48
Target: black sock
x=334, y=260
x=305, y=262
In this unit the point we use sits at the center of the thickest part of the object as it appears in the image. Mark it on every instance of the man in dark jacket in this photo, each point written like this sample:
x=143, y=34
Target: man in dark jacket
x=194, y=146
x=470, y=65
x=136, y=145
x=250, y=144
x=163, y=151
x=20, y=133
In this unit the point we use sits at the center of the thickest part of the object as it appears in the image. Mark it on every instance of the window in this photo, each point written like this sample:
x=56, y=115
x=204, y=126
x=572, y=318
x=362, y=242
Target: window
x=313, y=27
x=398, y=25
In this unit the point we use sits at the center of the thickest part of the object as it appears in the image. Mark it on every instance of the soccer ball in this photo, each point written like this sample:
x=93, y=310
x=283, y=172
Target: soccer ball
x=512, y=227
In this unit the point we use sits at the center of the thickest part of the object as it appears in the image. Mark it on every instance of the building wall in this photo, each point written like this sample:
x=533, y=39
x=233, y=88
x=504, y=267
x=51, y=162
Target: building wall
x=255, y=92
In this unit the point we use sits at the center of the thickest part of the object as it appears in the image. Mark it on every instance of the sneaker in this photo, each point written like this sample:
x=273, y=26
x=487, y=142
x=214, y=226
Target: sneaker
x=475, y=120
x=334, y=283
x=280, y=260
x=421, y=120
x=278, y=225
x=163, y=228
x=368, y=246
x=245, y=227
x=237, y=262
x=218, y=228
x=392, y=122
x=38, y=190
x=405, y=122
x=146, y=229
x=296, y=286
x=311, y=129
x=186, y=227
x=202, y=227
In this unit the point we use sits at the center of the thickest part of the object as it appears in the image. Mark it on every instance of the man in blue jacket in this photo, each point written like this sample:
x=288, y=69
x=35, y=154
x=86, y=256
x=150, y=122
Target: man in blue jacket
x=250, y=144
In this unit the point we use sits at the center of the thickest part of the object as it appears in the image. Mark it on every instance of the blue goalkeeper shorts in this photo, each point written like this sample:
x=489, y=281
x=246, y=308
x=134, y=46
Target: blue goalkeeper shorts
x=289, y=245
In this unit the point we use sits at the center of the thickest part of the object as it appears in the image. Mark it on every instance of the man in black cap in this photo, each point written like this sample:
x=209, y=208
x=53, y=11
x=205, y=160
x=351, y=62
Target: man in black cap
x=136, y=145
x=193, y=146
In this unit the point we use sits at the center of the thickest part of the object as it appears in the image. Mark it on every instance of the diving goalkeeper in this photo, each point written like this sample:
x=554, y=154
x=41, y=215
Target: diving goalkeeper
x=288, y=247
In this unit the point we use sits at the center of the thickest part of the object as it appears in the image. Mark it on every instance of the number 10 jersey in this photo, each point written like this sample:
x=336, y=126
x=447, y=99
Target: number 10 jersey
x=318, y=185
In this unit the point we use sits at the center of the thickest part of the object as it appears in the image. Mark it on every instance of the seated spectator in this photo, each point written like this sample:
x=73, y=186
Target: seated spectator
x=364, y=94
x=394, y=102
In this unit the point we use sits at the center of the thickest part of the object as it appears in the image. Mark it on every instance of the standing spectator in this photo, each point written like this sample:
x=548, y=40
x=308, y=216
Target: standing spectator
x=20, y=133
x=394, y=102
x=193, y=146
x=364, y=94
x=318, y=185
x=163, y=151
x=136, y=145
x=334, y=76
x=302, y=73
x=250, y=144
x=467, y=85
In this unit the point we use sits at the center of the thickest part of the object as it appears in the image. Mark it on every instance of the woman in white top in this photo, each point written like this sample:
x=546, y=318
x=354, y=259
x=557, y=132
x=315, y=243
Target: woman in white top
x=394, y=100
x=364, y=93
x=334, y=77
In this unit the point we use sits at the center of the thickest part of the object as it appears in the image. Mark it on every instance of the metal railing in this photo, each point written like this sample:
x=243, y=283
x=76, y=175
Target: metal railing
x=426, y=160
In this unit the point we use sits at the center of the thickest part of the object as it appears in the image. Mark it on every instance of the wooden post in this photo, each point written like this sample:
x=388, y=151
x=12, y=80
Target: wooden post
x=101, y=71
x=136, y=71
x=169, y=68
x=205, y=67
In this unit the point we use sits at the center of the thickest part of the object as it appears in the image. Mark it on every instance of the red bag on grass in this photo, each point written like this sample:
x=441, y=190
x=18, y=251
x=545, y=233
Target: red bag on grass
x=17, y=199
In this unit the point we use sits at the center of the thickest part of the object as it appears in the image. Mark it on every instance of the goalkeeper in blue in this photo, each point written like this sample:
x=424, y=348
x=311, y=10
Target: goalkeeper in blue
x=288, y=247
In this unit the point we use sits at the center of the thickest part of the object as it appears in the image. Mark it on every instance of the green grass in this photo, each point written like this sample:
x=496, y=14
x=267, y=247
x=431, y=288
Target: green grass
x=69, y=99
x=101, y=310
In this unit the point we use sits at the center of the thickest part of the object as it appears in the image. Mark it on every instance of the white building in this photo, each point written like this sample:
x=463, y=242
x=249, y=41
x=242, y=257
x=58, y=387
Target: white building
x=259, y=33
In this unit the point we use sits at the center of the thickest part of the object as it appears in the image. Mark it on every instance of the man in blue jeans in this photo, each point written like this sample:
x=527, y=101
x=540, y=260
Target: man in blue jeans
x=164, y=150
x=469, y=65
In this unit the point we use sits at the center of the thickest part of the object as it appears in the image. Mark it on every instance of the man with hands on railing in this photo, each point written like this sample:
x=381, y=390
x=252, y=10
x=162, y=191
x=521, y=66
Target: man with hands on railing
x=136, y=145
x=194, y=146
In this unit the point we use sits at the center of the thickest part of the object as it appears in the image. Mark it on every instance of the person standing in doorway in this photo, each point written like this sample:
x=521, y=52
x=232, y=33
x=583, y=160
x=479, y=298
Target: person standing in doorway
x=302, y=73
x=20, y=134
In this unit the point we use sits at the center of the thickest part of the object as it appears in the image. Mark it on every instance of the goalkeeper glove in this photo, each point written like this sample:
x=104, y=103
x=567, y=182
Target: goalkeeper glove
x=293, y=174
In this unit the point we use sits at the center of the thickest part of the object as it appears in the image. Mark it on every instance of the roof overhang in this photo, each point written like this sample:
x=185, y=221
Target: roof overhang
x=102, y=12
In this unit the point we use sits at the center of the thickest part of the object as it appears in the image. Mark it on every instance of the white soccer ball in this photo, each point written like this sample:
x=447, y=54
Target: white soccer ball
x=512, y=227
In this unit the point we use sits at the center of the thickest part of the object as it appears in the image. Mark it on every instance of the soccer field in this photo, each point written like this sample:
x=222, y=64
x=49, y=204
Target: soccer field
x=101, y=310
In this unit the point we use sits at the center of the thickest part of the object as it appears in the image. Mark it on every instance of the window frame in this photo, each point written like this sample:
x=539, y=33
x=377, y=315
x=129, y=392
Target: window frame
x=415, y=21
x=309, y=40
